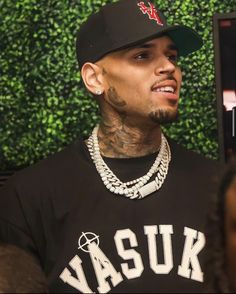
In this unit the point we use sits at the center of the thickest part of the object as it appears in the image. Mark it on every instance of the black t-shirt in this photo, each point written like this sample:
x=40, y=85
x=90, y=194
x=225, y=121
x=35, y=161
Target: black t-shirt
x=90, y=240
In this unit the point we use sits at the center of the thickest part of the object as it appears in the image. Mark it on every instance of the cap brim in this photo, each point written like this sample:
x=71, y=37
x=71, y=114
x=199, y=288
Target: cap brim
x=186, y=40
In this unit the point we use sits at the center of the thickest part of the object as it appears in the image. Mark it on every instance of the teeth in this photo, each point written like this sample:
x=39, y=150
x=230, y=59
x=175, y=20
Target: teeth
x=165, y=89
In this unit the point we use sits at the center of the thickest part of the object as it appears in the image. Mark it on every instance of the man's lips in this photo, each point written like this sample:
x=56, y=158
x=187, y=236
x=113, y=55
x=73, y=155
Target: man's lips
x=168, y=95
x=163, y=84
x=166, y=89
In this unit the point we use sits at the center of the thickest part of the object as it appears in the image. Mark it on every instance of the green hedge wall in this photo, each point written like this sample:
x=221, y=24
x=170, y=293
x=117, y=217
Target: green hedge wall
x=43, y=105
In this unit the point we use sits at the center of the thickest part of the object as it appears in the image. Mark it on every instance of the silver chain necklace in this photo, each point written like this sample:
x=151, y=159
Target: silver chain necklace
x=138, y=188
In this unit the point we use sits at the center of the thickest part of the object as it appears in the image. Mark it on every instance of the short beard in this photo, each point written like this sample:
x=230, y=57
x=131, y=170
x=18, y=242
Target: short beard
x=162, y=116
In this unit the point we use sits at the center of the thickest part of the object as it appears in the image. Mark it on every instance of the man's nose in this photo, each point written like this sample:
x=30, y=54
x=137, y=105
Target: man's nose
x=164, y=66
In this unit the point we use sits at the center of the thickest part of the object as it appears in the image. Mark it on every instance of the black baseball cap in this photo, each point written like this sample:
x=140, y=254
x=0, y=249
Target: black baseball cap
x=127, y=23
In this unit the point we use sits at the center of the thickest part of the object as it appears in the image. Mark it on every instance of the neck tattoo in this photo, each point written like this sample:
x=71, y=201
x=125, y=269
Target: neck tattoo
x=138, y=188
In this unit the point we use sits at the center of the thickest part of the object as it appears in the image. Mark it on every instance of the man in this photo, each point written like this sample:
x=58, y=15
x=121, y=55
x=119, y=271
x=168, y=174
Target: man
x=123, y=211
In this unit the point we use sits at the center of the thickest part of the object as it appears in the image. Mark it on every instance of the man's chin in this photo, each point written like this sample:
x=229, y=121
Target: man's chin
x=162, y=116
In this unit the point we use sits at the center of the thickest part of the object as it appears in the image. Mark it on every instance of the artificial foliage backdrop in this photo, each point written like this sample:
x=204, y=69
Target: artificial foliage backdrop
x=43, y=104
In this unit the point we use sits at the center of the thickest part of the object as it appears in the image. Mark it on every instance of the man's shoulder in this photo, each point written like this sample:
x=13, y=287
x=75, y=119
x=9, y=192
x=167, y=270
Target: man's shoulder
x=188, y=158
x=196, y=171
x=50, y=169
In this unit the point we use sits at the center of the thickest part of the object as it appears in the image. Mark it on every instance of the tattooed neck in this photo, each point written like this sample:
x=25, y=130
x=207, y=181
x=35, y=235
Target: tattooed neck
x=122, y=141
x=120, y=136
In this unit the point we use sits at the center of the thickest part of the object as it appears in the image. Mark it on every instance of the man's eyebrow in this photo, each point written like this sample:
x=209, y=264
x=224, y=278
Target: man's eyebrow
x=145, y=45
x=141, y=46
x=171, y=46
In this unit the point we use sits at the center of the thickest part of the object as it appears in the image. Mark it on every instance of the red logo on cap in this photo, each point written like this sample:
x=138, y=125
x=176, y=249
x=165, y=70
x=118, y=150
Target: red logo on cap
x=151, y=11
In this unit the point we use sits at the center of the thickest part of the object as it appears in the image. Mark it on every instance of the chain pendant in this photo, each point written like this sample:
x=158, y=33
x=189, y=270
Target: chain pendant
x=148, y=189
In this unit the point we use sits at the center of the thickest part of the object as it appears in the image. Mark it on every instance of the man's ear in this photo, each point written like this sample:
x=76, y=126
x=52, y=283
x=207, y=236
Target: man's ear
x=93, y=79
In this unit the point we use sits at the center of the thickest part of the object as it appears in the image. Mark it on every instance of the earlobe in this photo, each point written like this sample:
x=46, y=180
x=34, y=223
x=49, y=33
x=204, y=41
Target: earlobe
x=91, y=75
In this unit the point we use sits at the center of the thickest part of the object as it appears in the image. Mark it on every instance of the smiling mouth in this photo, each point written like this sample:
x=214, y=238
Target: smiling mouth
x=167, y=89
x=167, y=92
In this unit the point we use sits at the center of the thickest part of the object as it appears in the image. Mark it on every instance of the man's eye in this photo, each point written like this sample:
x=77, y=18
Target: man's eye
x=173, y=58
x=142, y=56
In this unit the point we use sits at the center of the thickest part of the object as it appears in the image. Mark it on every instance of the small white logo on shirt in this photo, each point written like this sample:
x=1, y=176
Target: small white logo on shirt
x=86, y=239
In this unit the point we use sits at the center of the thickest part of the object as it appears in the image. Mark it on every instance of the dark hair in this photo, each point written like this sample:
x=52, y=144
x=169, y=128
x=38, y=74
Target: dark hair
x=20, y=272
x=216, y=279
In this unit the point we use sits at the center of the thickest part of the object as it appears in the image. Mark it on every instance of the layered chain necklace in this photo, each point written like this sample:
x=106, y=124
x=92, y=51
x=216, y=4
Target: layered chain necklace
x=138, y=188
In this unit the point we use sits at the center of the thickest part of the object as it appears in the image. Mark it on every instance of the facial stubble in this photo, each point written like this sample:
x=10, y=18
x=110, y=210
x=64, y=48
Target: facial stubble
x=159, y=116
x=163, y=116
